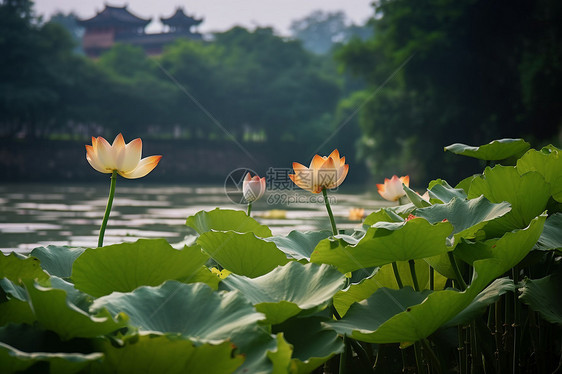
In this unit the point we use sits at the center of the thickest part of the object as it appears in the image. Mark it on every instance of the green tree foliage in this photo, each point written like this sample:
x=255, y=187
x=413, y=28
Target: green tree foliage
x=44, y=86
x=254, y=81
x=68, y=21
x=247, y=81
x=320, y=30
x=469, y=69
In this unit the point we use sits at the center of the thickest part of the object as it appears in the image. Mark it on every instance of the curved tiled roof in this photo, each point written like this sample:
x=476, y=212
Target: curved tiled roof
x=180, y=19
x=112, y=16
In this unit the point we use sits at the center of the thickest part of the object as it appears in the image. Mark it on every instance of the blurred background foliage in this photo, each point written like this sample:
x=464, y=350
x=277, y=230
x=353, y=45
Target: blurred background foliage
x=391, y=93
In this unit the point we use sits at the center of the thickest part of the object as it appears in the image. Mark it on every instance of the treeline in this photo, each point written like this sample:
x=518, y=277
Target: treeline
x=254, y=84
x=436, y=72
x=451, y=71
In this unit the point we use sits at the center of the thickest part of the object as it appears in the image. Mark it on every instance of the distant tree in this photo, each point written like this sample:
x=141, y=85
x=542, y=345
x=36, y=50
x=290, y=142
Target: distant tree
x=475, y=70
x=320, y=30
x=34, y=71
x=68, y=21
x=254, y=80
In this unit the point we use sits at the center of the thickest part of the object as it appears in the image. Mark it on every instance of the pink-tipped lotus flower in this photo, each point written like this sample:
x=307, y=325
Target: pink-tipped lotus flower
x=323, y=173
x=121, y=157
x=392, y=189
x=253, y=187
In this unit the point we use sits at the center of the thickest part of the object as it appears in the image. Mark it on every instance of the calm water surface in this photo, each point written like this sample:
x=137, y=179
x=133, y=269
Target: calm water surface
x=33, y=215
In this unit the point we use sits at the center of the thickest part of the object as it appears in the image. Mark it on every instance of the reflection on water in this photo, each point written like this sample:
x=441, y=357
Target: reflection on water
x=35, y=215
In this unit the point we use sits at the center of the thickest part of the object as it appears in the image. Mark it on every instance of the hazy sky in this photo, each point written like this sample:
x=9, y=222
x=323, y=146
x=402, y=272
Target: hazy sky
x=219, y=15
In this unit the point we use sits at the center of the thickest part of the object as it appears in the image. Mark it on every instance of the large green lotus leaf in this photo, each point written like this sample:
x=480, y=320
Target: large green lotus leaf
x=551, y=237
x=363, y=319
x=23, y=346
x=543, y=296
x=15, y=311
x=528, y=195
x=281, y=356
x=13, y=360
x=382, y=215
x=470, y=251
x=243, y=254
x=384, y=277
x=152, y=353
x=548, y=162
x=13, y=289
x=477, y=307
x=405, y=316
x=54, y=312
x=299, y=245
x=193, y=310
x=466, y=216
x=205, y=275
x=124, y=267
x=465, y=183
x=494, y=151
x=17, y=267
x=440, y=190
x=198, y=313
x=313, y=342
x=226, y=220
x=442, y=264
x=16, y=308
x=289, y=289
x=57, y=260
x=385, y=243
x=74, y=296
x=415, y=198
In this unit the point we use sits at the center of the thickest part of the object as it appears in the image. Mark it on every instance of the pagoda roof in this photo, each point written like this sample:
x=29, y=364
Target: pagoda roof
x=180, y=19
x=112, y=16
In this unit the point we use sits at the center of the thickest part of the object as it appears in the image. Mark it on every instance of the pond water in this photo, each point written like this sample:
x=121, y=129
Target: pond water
x=33, y=215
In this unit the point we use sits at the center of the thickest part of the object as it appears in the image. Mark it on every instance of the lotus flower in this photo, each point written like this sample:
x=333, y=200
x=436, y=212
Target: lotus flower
x=392, y=189
x=323, y=173
x=121, y=157
x=253, y=187
x=356, y=214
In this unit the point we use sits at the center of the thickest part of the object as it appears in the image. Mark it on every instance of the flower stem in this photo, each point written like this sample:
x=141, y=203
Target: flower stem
x=249, y=208
x=418, y=356
x=436, y=363
x=414, y=277
x=108, y=207
x=460, y=281
x=344, y=357
x=397, y=275
x=327, y=202
x=431, y=278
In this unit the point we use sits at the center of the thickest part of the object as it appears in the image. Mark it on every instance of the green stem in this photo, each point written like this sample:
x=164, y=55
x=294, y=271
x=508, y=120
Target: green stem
x=432, y=355
x=516, y=319
x=461, y=348
x=417, y=352
x=397, y=275
x=431, y=278
x=460, y=280
x=327, y=202
x=249, y=208
x=474, y=349
x=361, y=353
x=108, y=207
x=345, y=355
x=498, y=331
x=413, y=272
